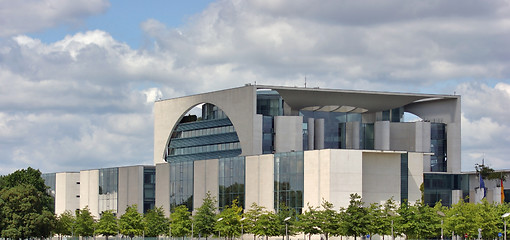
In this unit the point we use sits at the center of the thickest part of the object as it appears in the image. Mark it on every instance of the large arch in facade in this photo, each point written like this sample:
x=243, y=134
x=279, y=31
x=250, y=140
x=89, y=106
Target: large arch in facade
x=239, y=104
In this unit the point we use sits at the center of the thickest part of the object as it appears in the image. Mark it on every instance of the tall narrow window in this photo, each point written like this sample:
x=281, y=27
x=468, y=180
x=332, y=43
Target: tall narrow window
x=289, y=180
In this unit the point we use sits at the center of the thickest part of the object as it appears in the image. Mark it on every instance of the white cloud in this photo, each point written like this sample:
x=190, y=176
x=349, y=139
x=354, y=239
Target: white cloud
x=87, y=98
x=23, y=16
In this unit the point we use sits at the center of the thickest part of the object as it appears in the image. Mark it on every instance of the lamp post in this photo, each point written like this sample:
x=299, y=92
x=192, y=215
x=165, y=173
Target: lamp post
x=219, y=232
x=392, y=214
x=286, y=228
x=442, y=215
x=242, y=229
x=504, y=218
x=191, y=230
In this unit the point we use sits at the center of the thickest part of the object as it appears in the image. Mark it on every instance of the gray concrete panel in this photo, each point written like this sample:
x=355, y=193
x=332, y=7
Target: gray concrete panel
x=288, y=133
x=382, y=135
x=163, y=187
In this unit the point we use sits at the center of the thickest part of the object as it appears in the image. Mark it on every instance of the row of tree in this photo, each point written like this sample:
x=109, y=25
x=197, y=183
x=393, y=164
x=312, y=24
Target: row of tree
x=26, y=211
x=414, y=221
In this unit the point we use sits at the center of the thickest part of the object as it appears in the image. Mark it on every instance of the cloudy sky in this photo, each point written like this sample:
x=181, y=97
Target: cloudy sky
x=78, y=78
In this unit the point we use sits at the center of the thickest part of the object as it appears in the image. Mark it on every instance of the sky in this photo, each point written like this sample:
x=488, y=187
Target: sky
x=78, y=79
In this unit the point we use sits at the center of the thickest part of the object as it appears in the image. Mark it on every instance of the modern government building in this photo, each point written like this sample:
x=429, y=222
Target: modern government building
x=274, y=145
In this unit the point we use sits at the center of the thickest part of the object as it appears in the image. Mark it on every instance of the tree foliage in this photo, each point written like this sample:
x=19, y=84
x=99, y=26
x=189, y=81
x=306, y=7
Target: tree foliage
x=355, y=220
x=107, y=225
x=230, y=224
x=155, y=222
x=84, y=225
x=64, y=224
x=205, y=217
x=26, y=209
x=180, y=221
x=131, y=222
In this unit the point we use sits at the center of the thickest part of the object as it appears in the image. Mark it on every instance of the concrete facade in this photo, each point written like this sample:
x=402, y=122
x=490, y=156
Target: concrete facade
x=67, y=192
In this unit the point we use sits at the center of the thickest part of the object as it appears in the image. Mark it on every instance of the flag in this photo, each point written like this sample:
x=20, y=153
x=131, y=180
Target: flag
x=482, y=184
x=502, y=192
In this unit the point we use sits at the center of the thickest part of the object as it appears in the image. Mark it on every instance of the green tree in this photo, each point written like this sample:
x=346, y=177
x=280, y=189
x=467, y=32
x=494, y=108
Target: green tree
x=309, y=222
x=107, y=225
x=251, y=218
x=355, y=220
x=488, y=219
x=388, y=217
x=64, y=224
x=205, y=217
x=461, y=219
x=376, y=217
x=230, y=224
x=131, y=222
x=26, y=208
x=24, y=214
x=283, y=213
x=180, y=221
x=30, y=177
x=329, y=219
x=419, y=221
x=155, y=222
x=84, y=225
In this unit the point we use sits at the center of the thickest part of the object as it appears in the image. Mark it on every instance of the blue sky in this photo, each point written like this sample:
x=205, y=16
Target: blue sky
x=122, y=19
x=78, y=79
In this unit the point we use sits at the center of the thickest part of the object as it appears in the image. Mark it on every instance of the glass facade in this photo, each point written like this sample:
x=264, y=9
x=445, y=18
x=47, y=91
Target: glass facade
x=438, y=187
x=269, y=103
x=368, y=139
x=149, y=188
x=438, y=161
x=181, y=184
x=231, y=181
x=404, y=177
x=289, y=180
x=334, y=126
x=267, y=134
x=211, y=136
x=108, y=189
x=49, y=180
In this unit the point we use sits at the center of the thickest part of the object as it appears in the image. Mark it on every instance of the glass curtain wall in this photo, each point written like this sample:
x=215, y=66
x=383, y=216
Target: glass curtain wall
x=108, y=189
x=289, y=180
x=149, y=188
x=231, y=181
x=49, y=180
x=181, y=185
x=438, y=161
x=438, y=187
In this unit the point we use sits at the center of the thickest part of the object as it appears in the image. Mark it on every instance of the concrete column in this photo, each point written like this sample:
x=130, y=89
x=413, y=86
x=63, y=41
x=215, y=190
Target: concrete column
x=352, y=135
x=382, y=135
x=311, y=133
x=319, y=134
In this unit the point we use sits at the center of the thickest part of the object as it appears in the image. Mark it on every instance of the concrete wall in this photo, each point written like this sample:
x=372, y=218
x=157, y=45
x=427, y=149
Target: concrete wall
x=130, y=188
x=382, y=135
x=67, y=192
x=332, y=175
x=259, y=185
x=381, y=177
x=89, y=191
x=415, y=176
x=239, y=104
x=163, y=187
x=206, y=179
x=445, y=111
x=288, y=133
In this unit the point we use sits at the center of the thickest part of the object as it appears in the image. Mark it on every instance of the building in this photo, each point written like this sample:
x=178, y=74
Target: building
x=286, y=145
x=103, y=189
